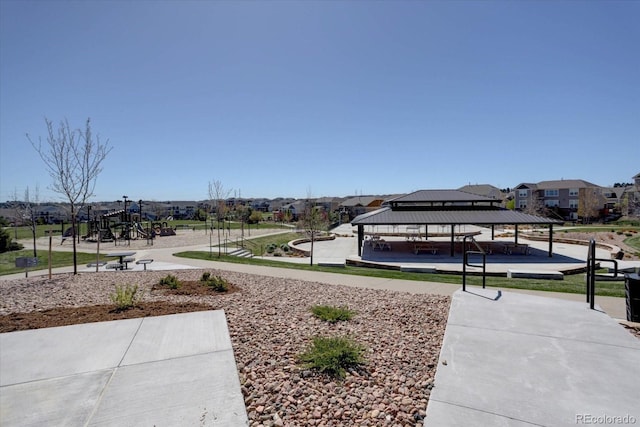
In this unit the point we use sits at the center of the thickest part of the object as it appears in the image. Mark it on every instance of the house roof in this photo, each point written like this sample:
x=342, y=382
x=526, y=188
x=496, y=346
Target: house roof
x=361, y=201
x=440, y=196
x=487, y=216
x=565, y=183
x=486, y=190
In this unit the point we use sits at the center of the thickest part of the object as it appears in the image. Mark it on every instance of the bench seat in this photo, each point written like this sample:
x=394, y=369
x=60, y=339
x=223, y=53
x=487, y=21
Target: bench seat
x=144, y=262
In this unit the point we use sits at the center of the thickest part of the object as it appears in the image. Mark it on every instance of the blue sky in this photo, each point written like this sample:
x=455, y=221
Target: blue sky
x=328, y=98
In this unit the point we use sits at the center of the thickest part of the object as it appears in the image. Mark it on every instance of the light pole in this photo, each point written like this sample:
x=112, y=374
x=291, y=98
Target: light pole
x=126, y=217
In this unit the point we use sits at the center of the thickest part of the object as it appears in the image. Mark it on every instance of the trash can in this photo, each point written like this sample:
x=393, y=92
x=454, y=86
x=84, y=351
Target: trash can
x=632, y=288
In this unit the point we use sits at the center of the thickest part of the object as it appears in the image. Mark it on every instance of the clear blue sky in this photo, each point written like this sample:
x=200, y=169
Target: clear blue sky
x=329, y=98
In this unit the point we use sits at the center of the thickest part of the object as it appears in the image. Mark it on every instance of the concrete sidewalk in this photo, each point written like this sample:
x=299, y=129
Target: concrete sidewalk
x=520, y=360
x=176, y=370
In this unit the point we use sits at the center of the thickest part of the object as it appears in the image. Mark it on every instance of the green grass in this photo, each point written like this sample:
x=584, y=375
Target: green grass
x=571, y=283
x=633, y=241
x=258, y=246
x=58, y=259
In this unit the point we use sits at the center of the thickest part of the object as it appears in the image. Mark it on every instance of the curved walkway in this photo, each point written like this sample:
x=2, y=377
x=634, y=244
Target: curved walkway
x=513, y=358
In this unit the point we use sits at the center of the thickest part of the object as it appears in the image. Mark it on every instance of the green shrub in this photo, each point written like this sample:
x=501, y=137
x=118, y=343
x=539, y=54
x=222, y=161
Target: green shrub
x=271, y=247
x=331, y=314
x=217, y=283
x=284, y=247
x=126, y=296
x=332, y=356
x=205, y=276
x=171, y=281
x=618, y=232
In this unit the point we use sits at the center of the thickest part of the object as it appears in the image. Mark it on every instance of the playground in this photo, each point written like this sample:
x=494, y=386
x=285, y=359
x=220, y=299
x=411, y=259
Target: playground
x=121, y=227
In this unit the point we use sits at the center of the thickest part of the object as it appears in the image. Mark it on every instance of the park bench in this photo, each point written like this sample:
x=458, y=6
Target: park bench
x=126, y=262
x=144, y=262
x=97, y=264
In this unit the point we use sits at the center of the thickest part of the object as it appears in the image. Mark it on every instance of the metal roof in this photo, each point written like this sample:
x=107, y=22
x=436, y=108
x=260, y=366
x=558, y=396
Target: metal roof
x=445, y=217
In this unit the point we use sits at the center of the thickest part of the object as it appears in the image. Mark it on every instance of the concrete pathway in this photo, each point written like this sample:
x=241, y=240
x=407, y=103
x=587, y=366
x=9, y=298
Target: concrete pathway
x=176, y=370
x=509, y=358
x=519, y=360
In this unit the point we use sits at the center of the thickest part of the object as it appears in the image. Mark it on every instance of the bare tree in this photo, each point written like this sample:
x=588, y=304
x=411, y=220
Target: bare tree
x=26, y=211
x=218, y=196
x=314, y=222
x=72, y=158
x=590, y=201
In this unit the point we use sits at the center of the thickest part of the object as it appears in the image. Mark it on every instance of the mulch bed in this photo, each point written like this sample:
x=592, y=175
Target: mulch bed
x=65, y=316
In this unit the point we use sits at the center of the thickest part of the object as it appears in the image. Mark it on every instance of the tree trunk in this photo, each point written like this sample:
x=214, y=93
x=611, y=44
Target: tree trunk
x=73, y=234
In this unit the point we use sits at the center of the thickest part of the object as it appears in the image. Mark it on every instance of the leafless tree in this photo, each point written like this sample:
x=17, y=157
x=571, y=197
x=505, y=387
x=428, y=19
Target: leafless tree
x=218, y=196
x=26, y=211
x=535, y=205
x=589, y=202
x=314, y=222
x=72, y=158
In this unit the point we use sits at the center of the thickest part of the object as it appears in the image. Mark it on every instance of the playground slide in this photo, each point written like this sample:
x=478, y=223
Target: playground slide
x=141, y=231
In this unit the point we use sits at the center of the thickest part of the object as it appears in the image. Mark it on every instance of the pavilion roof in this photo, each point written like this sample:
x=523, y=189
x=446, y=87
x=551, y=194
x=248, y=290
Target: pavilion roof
x=477, y=216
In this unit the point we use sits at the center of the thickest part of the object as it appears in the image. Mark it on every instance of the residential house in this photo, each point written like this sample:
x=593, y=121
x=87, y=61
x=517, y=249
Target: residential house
x=630, y=199
x=565, y=198
x=358, y=205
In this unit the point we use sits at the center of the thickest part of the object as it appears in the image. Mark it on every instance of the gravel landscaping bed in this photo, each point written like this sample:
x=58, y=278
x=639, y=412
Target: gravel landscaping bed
x=270, y=323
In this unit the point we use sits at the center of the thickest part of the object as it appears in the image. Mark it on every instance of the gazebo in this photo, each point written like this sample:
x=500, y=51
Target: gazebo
x=452, y=208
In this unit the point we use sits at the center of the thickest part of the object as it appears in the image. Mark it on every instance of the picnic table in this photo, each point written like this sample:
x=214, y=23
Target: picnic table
x=123, y=259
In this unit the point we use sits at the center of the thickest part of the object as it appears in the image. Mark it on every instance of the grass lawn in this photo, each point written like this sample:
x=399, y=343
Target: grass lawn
x=58, y=259
x=571, y=284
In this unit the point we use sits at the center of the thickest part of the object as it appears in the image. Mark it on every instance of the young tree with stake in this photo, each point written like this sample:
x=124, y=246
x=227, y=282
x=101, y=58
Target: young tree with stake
x=72, y=158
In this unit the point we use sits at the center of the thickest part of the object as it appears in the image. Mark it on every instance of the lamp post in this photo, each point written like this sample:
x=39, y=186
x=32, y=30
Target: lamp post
x=126, y=216
x=140, y=209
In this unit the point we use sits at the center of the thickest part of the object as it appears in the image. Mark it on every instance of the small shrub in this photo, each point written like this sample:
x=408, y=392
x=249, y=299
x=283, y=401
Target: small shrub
x=271, y=247
x=331, y=314
x=332, y=356
x=217, y=283
x=171, y=281
x=126, y=297
x=284, y=247
x=205, y=276
x=618, y=232
x=628, y=234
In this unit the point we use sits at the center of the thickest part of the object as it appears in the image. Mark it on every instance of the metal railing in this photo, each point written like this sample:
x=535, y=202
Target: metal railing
x=591, y=272
x=465, y=261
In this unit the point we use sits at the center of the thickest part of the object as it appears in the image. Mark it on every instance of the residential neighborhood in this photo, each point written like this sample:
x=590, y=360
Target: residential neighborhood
x=575, y=200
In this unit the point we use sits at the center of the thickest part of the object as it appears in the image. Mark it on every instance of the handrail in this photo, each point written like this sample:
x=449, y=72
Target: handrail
x=591, y=272
x=465, y=262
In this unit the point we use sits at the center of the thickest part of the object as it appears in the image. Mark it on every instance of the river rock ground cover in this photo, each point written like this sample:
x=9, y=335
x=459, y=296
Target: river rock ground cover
x=270, y=323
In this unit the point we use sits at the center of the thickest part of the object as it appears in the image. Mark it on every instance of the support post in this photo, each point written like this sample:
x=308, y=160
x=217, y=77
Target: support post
x=453, y=248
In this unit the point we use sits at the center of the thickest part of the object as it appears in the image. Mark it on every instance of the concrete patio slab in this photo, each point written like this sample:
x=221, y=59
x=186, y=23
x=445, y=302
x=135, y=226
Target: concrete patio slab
x=511, y=359
x=166, y=370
